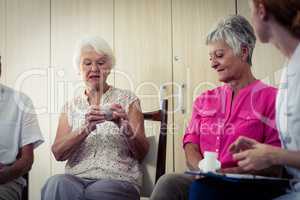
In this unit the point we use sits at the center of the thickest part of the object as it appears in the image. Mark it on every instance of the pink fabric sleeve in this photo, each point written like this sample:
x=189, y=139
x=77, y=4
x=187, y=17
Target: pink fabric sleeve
x=192, y=132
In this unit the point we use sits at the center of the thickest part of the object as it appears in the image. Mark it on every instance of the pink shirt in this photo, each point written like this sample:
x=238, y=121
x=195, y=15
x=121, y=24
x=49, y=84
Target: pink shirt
x=217, y=120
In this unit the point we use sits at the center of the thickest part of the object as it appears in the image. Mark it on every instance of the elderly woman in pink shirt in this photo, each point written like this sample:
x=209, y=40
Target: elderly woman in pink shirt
x=243, y=106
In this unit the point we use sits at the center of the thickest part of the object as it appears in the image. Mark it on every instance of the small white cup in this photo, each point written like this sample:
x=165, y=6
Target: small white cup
x=210, y=162
x=106, y=109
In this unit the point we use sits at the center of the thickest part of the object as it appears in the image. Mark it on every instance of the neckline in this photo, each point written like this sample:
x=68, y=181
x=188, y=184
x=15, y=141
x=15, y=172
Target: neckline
x=246, y=88
x=103, y=97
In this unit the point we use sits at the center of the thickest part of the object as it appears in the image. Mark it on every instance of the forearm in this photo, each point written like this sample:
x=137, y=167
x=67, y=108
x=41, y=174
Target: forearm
x=193, y=156
x=286, y=157
x=21, y=166
x=65, y=147
x=18, y=169
x=138, y=146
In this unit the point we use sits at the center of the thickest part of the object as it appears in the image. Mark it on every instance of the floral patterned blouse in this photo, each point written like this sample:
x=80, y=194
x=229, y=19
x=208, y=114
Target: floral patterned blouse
x=105, y=153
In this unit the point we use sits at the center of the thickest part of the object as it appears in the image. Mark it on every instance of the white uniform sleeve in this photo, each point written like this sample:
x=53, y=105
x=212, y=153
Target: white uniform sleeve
x=30, y=130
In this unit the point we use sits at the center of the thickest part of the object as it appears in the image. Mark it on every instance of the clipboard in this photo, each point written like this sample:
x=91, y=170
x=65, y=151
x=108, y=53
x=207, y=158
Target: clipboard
x=242, y=178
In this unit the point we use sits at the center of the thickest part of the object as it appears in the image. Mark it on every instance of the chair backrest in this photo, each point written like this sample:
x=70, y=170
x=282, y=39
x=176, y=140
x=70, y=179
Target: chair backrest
x=25, y=189
x=154, y=164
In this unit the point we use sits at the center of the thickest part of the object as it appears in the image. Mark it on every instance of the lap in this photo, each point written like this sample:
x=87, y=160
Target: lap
x=111, y=190
x=11, y=191
x=65, y=180
x=212, y=188
x=70, y=185
x=179, y=179
x=172, y=186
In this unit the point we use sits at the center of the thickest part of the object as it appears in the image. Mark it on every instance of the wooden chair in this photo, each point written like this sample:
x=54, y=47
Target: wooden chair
x=154, y=164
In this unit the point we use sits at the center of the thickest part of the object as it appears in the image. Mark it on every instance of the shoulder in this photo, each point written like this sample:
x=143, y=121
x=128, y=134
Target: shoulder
x=263, y=90
x=16, y=100
x=210, y=95
x=11, y=93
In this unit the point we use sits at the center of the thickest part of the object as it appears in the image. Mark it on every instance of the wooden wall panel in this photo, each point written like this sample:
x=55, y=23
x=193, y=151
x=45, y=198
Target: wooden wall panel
x=27, y=58
x=143, y=52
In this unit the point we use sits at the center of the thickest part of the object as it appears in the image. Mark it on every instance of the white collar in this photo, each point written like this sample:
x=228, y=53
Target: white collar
x=294, y=63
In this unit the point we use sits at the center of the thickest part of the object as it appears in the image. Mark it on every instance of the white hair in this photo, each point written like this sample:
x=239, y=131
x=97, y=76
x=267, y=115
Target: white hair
x=92, y=43
x=237, y=32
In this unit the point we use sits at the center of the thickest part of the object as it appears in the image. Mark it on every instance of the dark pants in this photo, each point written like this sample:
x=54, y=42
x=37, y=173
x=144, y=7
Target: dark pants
x=210, y=188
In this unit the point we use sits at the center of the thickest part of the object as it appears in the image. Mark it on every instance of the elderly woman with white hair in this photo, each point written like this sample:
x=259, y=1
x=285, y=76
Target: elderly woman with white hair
x=242, y=106
x=100, y=134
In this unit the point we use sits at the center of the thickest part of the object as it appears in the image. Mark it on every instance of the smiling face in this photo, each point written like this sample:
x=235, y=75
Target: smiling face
x=95, y=68
x=229, y=66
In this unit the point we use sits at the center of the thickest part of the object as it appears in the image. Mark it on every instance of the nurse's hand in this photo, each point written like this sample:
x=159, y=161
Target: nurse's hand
x=258, y=157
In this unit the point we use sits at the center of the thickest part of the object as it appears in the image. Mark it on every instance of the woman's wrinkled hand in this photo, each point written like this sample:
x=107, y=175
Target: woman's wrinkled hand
x=93, y=117
x=118, y=114
x=120, y=117
x=242, y=144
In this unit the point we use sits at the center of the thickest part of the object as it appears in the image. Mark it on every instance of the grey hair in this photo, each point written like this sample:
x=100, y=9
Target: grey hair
x=92, y=43
x=237, y=32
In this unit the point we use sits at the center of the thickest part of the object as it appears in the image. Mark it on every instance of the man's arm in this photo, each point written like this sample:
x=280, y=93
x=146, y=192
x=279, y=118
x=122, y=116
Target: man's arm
x=20, y=167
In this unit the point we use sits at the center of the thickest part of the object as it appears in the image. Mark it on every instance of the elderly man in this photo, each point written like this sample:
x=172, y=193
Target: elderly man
x=19, y=135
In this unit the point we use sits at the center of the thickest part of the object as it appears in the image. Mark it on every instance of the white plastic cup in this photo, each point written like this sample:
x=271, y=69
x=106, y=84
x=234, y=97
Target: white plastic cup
x=106, y=109
x=210, y=162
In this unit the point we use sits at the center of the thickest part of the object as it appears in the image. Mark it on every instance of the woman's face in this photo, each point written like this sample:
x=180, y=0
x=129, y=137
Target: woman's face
x=258, y=14
x=228, y=65
x=95, y=68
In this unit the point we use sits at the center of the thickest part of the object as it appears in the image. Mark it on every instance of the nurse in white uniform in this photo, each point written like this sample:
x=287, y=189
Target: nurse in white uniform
x=278, y=22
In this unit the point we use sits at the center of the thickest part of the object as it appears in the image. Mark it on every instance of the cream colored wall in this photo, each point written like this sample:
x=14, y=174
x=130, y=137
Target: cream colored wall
x=143, y=52
x=2, y=37
x=26, y=61
x=155, y=42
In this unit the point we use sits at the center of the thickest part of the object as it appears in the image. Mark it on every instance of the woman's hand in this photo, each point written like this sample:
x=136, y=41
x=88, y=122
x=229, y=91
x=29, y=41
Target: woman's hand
x=93, y=117
x=242, y=144
x=118, y=114
x=120, y=117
